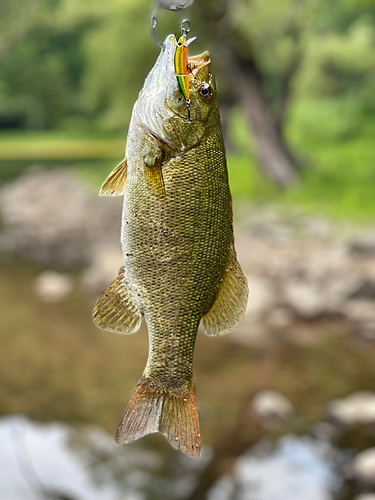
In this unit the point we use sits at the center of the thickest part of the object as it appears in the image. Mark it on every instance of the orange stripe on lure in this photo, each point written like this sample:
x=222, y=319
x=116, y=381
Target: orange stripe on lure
x=181, y=68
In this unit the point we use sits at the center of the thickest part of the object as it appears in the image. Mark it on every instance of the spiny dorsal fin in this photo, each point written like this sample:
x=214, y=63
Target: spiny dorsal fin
x=114, y=185
x=230, y=304
x=116, y=310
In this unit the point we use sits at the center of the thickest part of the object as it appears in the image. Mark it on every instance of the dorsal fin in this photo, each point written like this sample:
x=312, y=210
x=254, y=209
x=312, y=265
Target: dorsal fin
x=114, y=185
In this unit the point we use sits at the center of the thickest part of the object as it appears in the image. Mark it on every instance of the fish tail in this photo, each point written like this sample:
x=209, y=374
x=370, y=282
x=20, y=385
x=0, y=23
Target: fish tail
x=171, y=411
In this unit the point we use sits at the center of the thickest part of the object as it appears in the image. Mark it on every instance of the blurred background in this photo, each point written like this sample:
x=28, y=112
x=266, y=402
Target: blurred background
x=287, y=400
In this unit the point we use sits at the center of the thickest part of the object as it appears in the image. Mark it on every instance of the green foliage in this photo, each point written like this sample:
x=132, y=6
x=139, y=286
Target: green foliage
x=119, y=54
x=82, y=64
x=339, y=178
x=78, y=66
x=40, y=79
x=40, y=75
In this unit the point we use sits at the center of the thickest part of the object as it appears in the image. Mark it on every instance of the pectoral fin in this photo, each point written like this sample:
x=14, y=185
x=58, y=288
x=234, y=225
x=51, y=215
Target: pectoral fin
x=153, y=161
x=114, y=185
x=154, y=180
x=230, y=305
x=116, y=310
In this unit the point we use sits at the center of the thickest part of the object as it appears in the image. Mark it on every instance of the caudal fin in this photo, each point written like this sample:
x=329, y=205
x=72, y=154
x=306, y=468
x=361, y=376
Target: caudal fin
x=171, y=412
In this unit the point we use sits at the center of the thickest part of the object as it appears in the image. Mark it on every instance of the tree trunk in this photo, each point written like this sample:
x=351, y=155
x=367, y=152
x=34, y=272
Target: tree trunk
x=246, y=88
x=272, y=153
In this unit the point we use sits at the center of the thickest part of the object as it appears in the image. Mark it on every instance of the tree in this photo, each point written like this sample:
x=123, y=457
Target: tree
x=16, y=17
x=233, y=38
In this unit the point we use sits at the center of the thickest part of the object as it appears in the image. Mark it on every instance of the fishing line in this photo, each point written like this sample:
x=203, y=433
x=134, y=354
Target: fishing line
x=174, y=5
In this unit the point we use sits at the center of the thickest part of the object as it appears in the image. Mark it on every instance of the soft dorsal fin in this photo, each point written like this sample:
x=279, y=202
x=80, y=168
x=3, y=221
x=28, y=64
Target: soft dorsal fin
x=230, y=304
x=114, y=185
x=116, y=310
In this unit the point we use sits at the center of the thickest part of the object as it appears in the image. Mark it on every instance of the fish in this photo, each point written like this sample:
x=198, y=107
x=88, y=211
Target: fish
x=180, y=264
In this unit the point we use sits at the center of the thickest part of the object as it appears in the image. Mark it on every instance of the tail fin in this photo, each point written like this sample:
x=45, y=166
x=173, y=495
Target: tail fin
x=171, y=412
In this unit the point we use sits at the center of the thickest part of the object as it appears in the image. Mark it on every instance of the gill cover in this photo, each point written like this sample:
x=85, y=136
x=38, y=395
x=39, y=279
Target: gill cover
x=159, y=86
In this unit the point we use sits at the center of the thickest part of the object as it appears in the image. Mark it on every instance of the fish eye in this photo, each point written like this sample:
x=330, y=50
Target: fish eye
x=205, y=91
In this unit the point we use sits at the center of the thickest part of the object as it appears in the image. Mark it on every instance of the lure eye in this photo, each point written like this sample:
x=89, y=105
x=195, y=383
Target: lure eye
x=205, y=91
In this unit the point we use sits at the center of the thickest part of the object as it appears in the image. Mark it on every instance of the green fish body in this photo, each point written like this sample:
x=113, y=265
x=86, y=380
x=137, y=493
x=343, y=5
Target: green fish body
x=180, y=265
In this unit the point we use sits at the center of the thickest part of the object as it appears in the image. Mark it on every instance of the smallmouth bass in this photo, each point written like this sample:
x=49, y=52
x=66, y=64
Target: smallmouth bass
x=180, y=265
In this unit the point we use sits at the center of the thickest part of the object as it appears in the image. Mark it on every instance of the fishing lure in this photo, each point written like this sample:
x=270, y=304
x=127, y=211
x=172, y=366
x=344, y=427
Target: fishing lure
x=181, y=63
x=181, y=67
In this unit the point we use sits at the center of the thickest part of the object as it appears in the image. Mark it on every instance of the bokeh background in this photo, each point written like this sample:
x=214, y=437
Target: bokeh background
x=287, y=400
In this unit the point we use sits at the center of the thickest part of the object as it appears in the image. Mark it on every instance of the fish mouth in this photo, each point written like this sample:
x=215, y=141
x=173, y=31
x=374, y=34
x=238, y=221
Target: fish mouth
x=198, y=63
x=160, y=85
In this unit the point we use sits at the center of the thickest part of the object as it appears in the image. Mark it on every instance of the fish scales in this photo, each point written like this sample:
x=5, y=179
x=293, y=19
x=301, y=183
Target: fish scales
x=168, y=241
x=180, y=265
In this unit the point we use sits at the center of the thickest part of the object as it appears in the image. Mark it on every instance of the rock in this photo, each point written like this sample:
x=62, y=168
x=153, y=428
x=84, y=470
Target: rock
x=342, y=287
x=363, y=245
x=271, y=404
x=52, y=217
x=105, y=264
x=280, y=317
x=306, y=300
x=324, y=264
x=305, y=335
x=357, y=408
x=250, y=333
x=367, y=330
x=51, y=286
x=364, y=289
x=359, y=311
x=276, y=233
x=363, y=466
x=324, y=430
x=260, y=296
x=318, y=227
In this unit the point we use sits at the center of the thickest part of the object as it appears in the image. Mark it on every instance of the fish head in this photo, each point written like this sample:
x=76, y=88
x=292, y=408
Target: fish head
x=162, y=107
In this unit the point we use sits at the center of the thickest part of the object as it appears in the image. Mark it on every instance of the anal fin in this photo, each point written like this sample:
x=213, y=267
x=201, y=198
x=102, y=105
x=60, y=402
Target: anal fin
x=116, y=310
x=230, y=304
x=114, y=185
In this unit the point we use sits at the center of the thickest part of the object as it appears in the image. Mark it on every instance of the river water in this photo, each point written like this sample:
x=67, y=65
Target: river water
x=64, y=385
x=42, y=460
